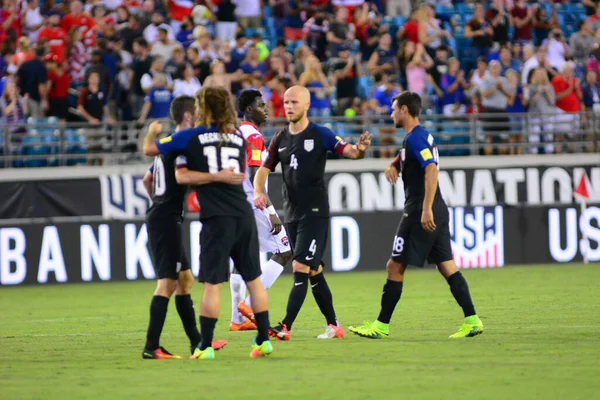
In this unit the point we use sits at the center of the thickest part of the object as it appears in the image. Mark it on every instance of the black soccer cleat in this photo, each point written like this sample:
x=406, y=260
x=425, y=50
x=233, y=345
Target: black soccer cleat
x=280, y=332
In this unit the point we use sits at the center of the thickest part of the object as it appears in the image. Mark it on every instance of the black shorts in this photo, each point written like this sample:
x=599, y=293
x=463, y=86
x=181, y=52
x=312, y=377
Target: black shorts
x=413, y=245
x=225, y=237
x=58, y=108
x=166, y=246
x=308, y=238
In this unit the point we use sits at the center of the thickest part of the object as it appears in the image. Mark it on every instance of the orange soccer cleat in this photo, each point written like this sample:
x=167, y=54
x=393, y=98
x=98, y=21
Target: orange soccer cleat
x=247, y=325
x=245, y=310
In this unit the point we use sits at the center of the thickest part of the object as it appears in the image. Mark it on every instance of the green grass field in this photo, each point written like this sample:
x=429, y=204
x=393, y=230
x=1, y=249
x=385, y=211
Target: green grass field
x=542, y=341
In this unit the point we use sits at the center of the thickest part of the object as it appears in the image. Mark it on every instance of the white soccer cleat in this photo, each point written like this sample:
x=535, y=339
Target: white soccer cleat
x=332, y=332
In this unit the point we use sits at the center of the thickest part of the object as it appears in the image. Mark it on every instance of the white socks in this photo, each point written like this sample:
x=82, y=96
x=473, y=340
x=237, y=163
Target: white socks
x=238, y=291
x=270, y=272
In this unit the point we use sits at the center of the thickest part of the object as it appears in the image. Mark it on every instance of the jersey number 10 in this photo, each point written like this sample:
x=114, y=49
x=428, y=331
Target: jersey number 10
x=229, y=159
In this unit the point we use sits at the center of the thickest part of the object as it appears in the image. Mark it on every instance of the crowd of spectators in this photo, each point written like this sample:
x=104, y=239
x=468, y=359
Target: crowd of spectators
x=102, y=61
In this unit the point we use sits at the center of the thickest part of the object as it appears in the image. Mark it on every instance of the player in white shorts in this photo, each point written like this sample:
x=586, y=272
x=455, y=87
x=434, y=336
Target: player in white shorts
x=271, y=233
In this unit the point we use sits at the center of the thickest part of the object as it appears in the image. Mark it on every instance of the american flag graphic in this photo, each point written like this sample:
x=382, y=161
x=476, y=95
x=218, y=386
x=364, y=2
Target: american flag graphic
x=477, y=235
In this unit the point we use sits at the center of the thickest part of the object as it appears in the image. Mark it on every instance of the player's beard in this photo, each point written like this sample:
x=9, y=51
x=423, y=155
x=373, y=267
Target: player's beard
x=293, y=120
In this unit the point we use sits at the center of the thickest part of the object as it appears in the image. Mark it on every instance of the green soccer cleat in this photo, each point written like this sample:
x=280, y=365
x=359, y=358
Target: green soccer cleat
x=265, y=349
x=206, y=354
x=372, y=330
x=471, y=327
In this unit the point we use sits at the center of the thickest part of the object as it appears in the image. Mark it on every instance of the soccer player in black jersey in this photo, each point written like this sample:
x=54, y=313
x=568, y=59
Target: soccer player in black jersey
x=213, y=160
x=302, y=148
x=163, y=222
x=423, y=233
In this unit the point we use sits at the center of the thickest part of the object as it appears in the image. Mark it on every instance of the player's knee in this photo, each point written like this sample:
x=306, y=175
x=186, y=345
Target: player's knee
x=394, y=270
x=165, y=287
x=447, y=268
x=299, y=267
x=282, y=258
x=317, y=272
x=184, y=283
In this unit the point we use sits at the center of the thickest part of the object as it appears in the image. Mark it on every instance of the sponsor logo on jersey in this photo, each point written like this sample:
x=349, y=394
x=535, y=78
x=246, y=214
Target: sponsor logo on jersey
x=309, y=144
x=477, y=236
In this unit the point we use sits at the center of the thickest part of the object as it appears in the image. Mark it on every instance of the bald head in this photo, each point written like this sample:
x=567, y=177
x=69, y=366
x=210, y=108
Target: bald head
x=298, y=92
x=296, y=102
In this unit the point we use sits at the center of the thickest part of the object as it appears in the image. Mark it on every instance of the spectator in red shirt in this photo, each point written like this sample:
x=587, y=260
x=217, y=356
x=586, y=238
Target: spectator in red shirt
x=58, y=87
x=10, y=18
x=410, y=30
x=55, y=35
x=77, y=18
x=594, y=20
x=523, y=20
x=567, y=89
x=568, y=99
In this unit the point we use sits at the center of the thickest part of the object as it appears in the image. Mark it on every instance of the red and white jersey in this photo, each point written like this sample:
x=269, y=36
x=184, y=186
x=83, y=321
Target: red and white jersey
x=180, y=9
x=256, y=151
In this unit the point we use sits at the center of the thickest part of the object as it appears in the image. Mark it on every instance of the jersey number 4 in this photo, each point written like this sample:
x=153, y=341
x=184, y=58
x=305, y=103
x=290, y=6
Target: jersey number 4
x=229, y=159
x=293, y=162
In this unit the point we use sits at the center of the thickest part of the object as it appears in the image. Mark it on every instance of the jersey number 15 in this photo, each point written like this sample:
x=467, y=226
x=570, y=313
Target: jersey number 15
x=228, y=159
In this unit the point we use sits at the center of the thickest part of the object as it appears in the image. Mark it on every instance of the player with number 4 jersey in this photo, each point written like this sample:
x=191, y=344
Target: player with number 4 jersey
x=302, y=148
x=423, y=234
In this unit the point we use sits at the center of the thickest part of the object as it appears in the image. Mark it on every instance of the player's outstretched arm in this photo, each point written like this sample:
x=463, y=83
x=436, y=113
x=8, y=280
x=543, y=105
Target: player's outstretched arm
x=149, y=147
x=431, y=183
x=357, y=151
x=261, y=198
x=185, y=176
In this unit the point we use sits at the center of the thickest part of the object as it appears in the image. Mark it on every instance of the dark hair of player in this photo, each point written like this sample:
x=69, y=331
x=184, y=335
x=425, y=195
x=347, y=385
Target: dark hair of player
x=246, y=99
x=215, y=107
x=181, y=105
x=411, y=100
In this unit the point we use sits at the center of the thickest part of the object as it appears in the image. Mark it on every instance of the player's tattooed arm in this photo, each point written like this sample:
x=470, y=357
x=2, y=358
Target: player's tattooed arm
x=148, y=181
x=431, y=183
x=357, y=151
x=149, y=147
x=261, y=198
x=185, y=176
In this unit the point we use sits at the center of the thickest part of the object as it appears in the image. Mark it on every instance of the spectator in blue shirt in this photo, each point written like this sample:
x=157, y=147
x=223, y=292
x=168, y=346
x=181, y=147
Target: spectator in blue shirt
x=453, y=84
x=507, y=61
x=591, y=92
x=382, y=99
x=515, y=106
x=251, y=65
x=158, y=100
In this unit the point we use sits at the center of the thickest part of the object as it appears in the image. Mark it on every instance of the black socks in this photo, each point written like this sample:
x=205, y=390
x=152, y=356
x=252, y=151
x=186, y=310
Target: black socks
x=460, y=291
x=323, y=297
x=185, y=309
x=296, y=299
x=158, y=314
x=262, y=325
x=392, y=291
x=207, y=328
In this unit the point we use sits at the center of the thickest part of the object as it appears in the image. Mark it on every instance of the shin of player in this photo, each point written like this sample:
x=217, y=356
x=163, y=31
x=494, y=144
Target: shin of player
x=272, y=236
x=212, y=159
x=423, y=233
x=163, y=222
x=302, y=148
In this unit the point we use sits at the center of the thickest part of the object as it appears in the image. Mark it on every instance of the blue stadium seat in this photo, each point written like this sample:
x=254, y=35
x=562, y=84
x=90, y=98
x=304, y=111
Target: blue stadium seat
x=75, y=144
x=463, y=9
x=35, y=145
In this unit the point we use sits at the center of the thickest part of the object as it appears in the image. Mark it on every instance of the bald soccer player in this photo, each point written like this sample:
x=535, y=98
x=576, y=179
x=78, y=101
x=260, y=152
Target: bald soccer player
x=302, y=148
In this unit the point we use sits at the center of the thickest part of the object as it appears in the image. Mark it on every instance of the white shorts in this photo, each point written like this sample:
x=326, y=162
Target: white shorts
x=268, y=242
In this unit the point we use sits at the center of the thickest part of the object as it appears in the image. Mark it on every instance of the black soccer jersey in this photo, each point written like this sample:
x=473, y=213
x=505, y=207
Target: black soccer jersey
x=418, y=151
x=167, y=194
x=303, y=158
x=204, y=149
